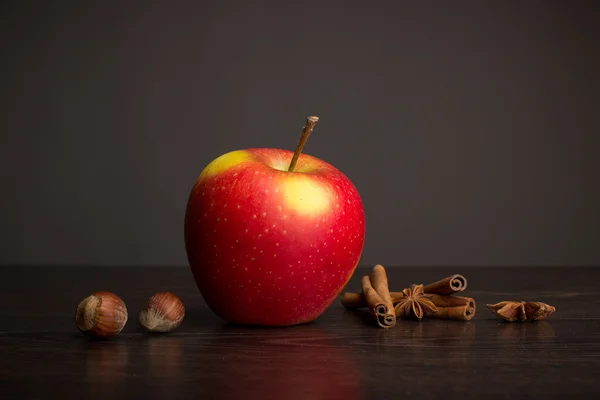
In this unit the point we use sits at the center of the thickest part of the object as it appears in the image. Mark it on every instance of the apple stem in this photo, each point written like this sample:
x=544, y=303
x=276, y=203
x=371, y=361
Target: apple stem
x=308, y=127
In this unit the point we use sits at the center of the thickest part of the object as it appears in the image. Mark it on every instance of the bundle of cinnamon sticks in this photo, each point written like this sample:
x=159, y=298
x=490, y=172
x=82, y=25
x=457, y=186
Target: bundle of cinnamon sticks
x=436, y=300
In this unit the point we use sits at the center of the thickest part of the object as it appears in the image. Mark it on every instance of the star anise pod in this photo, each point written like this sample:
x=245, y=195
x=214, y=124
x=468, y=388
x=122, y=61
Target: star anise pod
x=413, y=303
x=513, y=311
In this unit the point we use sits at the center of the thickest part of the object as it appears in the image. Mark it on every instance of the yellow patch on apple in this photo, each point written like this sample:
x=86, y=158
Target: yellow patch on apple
x=224, y=162
x=304, y=195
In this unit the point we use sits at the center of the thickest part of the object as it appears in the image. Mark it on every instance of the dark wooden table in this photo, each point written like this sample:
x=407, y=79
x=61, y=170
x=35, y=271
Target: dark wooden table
x=342, y=355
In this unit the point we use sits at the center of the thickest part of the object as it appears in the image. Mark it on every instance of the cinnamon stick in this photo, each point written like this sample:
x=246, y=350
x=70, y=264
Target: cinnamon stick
x=457, y=313
x=449, y=285
x=380, y=284
x=451, y=301
x=376, y=304
x=453, y=307
x=353, y=301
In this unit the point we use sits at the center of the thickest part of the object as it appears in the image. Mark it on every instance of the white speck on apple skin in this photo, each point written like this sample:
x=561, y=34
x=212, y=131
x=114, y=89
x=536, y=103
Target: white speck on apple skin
x=253, y=216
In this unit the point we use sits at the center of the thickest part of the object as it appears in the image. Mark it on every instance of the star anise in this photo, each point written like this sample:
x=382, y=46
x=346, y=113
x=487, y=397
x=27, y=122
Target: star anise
x=413, y=303
x=513, y=311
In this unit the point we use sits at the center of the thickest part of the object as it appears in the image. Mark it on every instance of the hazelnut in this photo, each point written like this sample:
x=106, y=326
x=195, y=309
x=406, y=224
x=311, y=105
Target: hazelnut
x=101, y=315
x=163, y=312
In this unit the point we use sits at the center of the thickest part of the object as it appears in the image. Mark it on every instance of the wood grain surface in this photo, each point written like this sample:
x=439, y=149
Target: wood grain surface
x=342, y=355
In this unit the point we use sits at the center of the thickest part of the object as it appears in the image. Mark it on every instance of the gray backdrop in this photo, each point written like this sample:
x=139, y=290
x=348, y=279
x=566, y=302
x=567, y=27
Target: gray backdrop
x=469, y=128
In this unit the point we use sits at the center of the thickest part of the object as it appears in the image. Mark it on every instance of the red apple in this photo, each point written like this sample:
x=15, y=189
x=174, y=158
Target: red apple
x=271, y=241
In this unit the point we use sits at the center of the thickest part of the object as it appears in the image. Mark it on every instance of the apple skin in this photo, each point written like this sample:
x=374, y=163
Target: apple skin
x=271, y=247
